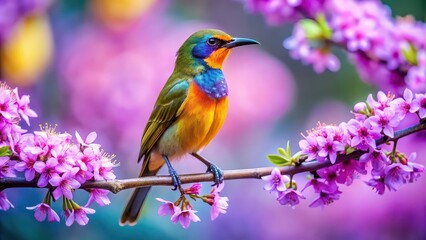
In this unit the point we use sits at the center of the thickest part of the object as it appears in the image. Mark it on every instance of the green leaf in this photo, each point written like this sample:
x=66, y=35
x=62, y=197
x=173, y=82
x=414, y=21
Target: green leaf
x=282, y=151
x=5, y=151
x=279, y=160
x=410, y=53
x=312, y=29
x=325, y=28
x=288, y=149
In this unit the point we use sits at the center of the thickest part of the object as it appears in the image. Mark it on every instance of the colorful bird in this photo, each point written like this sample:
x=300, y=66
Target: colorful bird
x=188, y=113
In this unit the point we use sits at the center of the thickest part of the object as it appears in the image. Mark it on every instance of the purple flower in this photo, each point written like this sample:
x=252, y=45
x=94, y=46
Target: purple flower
x=395, y=175
x=194, y=189
x=64, y=184
x=419, y=104
x=275, y=182
x=184, y=217
x=329, y=147
x=349, y=170
x=418, y=169
x=6, y=167
x=290, y=197
x=99, y=196
x=378, y=184
x=167, y=208
x=88, y=142
x=7, y=105
x=329, y=174
x=322, y=60
x=79, y=215
x=317, y=184
x=43, y=209
x=326, y=198
x=383, y=100
x=23, y=107
x=416, y=78
x=5, y=204
x=47, y=171
x=27, y=164
x=309, y=146
x=219, y=204
x=386, y=119
x=378, y=160
x=403, y=105
x=103, y=170
x=364, y=134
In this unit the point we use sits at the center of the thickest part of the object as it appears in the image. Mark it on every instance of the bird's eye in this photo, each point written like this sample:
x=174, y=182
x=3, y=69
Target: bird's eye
x=212, y=41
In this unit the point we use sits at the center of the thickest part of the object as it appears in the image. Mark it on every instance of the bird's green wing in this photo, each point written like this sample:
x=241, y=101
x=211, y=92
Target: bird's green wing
x=165, y=112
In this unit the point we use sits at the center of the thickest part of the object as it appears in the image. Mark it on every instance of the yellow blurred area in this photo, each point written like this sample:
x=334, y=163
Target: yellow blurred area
x=27, y=51
x=119, y=14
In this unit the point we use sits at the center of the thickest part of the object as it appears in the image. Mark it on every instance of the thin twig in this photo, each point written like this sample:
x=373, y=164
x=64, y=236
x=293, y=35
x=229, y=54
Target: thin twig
x=118, y=185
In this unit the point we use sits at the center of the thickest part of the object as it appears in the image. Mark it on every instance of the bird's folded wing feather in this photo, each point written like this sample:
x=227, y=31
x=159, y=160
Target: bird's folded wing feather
x=166, y=110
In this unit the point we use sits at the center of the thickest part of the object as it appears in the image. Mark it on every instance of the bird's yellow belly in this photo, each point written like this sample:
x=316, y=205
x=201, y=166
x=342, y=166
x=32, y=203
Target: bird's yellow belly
x=200, y=120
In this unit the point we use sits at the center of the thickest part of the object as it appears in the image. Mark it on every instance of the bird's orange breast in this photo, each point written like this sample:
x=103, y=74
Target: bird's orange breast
x=201, y=119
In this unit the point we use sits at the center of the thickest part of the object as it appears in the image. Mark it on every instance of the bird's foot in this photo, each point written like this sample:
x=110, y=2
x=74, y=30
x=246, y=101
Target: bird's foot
x=175, y=179
x=173, y=174
x=217, y=174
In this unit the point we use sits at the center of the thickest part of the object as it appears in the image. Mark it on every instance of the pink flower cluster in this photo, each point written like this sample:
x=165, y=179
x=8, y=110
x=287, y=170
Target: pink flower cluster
x=388, y=52
x=51, y=160
x=182, y=211
x=374, y=120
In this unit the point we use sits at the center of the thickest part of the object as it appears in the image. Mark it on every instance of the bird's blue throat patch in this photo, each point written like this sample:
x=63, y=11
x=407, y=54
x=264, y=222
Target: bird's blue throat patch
x=213, y=83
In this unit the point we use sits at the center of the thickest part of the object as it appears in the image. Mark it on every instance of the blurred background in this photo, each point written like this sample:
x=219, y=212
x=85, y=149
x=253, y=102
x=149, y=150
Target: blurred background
x=99, y=66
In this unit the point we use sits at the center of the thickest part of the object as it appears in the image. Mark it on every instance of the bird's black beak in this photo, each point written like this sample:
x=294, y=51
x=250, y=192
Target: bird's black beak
x=236, y=42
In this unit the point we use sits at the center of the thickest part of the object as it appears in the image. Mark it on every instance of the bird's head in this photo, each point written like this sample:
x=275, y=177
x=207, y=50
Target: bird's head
x=209, y=48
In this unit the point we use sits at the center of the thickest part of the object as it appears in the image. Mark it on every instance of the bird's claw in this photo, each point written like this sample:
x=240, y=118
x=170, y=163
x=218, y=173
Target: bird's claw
x=175, y=179
x=217, y=174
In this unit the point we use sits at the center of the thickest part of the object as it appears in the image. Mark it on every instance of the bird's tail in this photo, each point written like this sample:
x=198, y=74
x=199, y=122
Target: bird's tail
x=134, y=205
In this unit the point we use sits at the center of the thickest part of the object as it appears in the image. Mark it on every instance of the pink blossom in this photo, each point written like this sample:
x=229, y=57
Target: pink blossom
x=403, y=105
x=349, y=170
x=194, y=189
x=378, y=160
x=416, y=79
x=167, y=208
x=6, y=167
x=7, y=105
x=99, y=196
x=395, y=175
x=23, y=107
x=27, y=164
x=5, y=204
x=386, y=119
x=275, y=182
x=329, y=148
x=322, y=60
x=290, y=197
x=88, y=142
x=184, y=217
x=47, y=171
x=364, y=134
x=78, y=215
x=378, y=184
x=309, y=146
x=419, y=104
x=326, y=197
x=219, y=204
x=43, y=209
x=64, y=184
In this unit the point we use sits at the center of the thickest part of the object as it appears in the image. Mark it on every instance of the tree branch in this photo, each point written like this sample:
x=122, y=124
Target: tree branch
x=118, y=185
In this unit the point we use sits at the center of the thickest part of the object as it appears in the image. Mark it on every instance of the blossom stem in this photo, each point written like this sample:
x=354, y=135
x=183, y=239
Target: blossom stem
x=118, y=185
